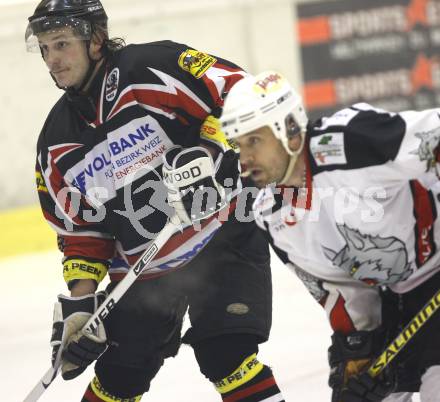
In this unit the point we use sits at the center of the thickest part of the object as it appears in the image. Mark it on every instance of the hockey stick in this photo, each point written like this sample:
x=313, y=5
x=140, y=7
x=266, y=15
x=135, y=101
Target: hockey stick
x=111, y=300
x=402, y=339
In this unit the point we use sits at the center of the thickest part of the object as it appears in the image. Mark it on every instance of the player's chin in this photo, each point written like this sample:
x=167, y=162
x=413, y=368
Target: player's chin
x=260, y=182
x=64, y=81
x=258, y=178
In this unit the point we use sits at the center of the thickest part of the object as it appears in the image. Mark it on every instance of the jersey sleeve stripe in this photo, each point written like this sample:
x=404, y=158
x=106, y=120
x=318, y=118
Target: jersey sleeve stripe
x=425, y=214
x=173, y=93
x=88, y=246
x=180, y=238
x=340, y=320
x=219, y=79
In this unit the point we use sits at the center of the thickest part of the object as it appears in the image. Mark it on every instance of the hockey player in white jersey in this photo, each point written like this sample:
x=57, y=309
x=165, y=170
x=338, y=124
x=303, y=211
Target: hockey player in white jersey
x=350, y=205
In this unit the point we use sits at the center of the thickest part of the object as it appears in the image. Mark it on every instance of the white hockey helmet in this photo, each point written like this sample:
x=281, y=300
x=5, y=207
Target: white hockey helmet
x=266, y=99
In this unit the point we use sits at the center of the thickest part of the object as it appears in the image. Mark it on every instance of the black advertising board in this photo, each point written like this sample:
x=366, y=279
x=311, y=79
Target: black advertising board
x=384, y=52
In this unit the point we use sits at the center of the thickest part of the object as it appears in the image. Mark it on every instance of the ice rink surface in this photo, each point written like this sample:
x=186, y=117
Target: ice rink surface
x=296, y=351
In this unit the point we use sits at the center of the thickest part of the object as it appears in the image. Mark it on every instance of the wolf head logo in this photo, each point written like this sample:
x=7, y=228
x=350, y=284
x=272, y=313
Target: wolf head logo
x=373, y=259
x=429, y=140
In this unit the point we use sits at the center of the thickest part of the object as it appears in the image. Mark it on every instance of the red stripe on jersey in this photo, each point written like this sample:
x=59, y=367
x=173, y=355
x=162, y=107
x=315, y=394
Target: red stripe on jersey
x=99, y=104
x=252, y=390
x=98, y=121
x=58, y=184
x=308, y=173
x=340, y=320
x=90, y=396
x=213, y=90
x=182, y=119
x=59, y=152
x=159, y=99
x=87, y=246
x=127, y=98
x=231, y=80
x=178, y=239
x=425, y=213
x=56, y=179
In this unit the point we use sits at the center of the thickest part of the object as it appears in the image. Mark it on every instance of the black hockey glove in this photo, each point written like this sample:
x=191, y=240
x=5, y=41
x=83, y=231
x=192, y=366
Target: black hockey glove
x=364, y=388
x=72, y=348
x=349, y=357
x=196, y=183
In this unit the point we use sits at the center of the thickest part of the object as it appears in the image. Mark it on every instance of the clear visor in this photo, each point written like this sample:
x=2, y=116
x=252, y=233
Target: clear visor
x=73, y=28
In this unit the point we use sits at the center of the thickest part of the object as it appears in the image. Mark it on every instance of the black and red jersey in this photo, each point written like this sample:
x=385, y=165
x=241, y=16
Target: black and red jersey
x=100, y=154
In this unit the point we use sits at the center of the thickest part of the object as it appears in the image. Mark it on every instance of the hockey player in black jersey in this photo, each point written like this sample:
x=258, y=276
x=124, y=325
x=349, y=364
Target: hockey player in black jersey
x=99, y=176
x=350, y=205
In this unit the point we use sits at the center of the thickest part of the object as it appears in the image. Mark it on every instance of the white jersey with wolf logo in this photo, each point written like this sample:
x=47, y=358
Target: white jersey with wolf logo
x=368, y=216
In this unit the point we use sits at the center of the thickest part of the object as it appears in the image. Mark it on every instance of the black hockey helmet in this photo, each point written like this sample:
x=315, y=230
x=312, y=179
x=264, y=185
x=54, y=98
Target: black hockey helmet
x=81, y=15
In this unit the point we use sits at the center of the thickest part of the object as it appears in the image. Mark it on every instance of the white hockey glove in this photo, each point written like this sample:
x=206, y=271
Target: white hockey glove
x=194, y=181
x=72, y=348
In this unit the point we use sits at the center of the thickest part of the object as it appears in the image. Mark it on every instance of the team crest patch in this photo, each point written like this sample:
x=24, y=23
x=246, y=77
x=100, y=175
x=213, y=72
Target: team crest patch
x=41, y=185
x=195, y=62
x=371, y=259
x=111, y=85
x=328, y=149
x=428, y=144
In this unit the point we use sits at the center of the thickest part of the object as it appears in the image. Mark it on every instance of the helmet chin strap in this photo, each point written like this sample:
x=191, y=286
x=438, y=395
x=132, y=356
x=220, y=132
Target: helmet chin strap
x=289, y=169
x=292, y=160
